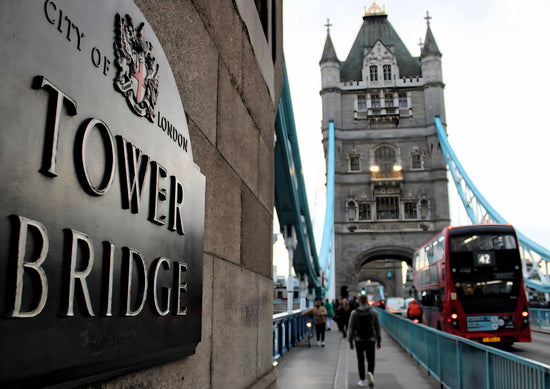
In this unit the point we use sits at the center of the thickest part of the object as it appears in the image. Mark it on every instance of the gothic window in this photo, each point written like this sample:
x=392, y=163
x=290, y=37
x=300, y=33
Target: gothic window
x=352, y=210
x=361, y=103
x=424, y=210
x=411, y=211
x=384, y=157
x=387, y=72
x=373, y=72
x=417, y=162
x=354, y=163
x=387, y=208
x=375, y=101
x=388, y=100
x=364, y=211
x=403, y=100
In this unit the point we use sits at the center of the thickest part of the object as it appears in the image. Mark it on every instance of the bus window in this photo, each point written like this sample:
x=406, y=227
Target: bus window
x=483, y=242
x=432, y=298
x=415, y=261
x=439, y=250
x=429, y=255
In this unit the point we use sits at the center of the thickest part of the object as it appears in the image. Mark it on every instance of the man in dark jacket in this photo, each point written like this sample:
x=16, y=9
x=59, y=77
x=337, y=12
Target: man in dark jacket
x=364, y=330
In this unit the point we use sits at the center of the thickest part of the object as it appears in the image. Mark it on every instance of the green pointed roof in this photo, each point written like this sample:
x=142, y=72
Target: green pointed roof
x=329, y=54
x=377, y=27
x=430, y=47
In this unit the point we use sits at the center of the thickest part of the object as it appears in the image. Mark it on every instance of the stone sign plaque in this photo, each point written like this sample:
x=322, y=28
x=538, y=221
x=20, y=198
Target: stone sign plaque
x=101, y=204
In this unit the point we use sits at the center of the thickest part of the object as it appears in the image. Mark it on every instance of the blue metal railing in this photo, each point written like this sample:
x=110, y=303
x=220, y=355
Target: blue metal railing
x=460, y=363
x=540, y=318
x=288, y=330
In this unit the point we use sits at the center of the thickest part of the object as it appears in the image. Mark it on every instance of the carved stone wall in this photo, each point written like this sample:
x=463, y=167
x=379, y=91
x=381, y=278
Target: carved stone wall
x=230, y=80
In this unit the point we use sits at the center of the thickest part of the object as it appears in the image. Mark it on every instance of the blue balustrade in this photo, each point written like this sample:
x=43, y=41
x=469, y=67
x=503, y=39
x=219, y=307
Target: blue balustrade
x=288, y=330
x=460, y=363
x=540, y=318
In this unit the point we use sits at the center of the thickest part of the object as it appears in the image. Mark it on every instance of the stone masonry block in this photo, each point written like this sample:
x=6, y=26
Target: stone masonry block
x=265, y=325
x=266, y=173
x=256, y=235
x=222, y=222
x=237, y=138
x=192, y=56
x=226, y=28
x=256, y=94
x=235, y=317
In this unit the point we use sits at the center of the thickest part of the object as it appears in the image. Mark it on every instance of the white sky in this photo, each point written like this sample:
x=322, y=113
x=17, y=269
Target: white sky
x=496, y=68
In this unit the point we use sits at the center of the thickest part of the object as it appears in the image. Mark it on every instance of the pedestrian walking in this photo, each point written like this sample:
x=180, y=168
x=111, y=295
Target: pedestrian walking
x=330, y=313
x=320, y=317
x=364, y=331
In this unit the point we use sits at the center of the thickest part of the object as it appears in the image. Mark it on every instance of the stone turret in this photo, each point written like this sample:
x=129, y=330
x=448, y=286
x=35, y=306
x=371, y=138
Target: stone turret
x=433, y=78
x=390, y=191
x=330, y=83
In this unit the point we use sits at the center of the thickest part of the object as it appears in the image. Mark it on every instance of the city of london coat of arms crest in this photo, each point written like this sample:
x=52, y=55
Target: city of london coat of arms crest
x=137, y=71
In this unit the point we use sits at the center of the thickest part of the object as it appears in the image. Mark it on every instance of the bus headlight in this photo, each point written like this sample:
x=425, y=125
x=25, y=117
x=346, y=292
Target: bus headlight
x=308, y=324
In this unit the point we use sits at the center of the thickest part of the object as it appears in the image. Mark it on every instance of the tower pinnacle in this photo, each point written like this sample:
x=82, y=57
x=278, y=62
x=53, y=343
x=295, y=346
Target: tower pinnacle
x=428, y=17
x=328, y=25
x=375, y=9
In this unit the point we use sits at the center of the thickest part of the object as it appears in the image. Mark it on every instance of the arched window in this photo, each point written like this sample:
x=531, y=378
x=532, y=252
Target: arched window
x=373, y=72
x=352, y=210
x=424, y=209
x=384, y=157
x=387, y=72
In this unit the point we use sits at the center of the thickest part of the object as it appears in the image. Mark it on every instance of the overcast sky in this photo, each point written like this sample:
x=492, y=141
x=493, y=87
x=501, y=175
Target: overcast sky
x=496, y=70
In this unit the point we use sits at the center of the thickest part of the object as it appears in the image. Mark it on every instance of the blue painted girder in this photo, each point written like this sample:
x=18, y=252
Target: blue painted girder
x=290, y=192
x=535, y=257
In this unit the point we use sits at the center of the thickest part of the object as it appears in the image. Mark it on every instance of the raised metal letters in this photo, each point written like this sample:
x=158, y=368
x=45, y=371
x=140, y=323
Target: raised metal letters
x=160, y=311
x=49, y=158
x=137, y=76
x=82, y=162
x=182, y=288
x=77, y=237
x=134, y=165
x=24, y=226
x=101, y=211
x=157, y=193
x=132, y=256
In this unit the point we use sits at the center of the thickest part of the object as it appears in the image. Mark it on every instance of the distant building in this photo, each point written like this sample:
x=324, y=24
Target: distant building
x=390, y=174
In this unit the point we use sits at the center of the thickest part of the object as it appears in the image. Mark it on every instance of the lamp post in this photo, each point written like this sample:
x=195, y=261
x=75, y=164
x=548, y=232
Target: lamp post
x=290, y=242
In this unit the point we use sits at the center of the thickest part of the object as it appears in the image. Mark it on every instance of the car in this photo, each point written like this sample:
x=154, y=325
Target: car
x=395, y=305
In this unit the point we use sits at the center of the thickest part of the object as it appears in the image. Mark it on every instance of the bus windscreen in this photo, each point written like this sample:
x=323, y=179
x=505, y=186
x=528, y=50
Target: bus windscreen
x=486, y=272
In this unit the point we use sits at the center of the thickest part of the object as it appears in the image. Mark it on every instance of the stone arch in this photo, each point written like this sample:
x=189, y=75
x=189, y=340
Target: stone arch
x=351, y=210
x=388, y=252
x=392, y=286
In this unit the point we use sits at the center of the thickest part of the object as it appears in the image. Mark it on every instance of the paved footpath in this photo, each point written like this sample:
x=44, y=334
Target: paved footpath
x=335, y=366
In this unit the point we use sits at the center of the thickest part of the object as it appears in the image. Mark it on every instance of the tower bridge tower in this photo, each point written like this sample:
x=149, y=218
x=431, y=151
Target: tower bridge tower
x=390, y=174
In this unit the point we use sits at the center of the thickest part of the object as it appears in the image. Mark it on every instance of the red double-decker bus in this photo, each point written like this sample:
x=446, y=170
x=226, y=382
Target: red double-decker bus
x=469, y=282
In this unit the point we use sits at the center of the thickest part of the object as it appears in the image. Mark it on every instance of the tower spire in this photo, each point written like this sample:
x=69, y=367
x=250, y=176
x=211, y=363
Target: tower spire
x=428, y=18
x=430, y=47
x=328, y=25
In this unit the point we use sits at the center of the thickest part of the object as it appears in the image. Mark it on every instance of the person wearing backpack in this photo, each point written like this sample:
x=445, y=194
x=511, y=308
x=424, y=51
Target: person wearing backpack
x=364, y=330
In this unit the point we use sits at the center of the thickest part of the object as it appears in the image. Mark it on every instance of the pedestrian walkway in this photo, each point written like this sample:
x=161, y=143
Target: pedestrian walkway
x=335, y=366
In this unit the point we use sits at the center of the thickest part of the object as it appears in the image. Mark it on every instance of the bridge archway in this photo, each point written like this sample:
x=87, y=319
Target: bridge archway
x=384, y=265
